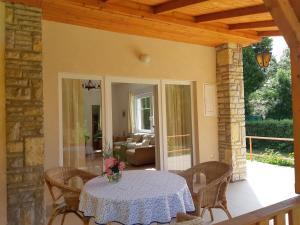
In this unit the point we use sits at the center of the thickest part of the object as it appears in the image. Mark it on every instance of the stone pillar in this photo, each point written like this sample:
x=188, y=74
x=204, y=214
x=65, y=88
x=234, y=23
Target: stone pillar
x=24, y=115
x=231, y=115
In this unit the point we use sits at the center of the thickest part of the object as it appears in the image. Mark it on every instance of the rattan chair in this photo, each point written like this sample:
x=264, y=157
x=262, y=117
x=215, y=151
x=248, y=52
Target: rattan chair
x=208, y=183
x=185, y=219
x=65, y=196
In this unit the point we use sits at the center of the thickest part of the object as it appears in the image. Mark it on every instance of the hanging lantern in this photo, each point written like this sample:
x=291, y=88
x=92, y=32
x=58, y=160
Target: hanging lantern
x=263, y=59
x=262, y=52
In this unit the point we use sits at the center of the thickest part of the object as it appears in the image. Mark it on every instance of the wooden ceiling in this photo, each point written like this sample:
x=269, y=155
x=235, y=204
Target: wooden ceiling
x=204, y=22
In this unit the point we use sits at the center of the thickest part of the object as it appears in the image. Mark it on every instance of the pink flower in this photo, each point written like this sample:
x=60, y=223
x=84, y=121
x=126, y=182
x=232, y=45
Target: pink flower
x=108, y=172
x=110, y=162
x=122, y=166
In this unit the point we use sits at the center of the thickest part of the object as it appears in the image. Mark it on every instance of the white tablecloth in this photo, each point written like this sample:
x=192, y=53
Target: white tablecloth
x=140, y=197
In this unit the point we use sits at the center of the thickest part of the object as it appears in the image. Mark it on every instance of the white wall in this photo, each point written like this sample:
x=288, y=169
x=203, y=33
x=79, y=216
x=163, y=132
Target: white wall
x=80, y=50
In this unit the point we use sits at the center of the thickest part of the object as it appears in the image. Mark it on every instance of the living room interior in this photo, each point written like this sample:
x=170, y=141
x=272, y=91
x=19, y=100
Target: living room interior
x=133, y=113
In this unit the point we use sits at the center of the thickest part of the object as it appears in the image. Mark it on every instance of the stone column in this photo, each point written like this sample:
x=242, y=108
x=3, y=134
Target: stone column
x=24, y=115
x=231, y=115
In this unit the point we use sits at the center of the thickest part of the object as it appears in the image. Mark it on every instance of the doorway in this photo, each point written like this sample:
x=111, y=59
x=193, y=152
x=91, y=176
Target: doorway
x=178, y=119
x=134, y=123
x=150, y=122
x=81, y=124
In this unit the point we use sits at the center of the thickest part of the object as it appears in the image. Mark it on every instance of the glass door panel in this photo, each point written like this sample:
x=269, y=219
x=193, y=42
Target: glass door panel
x=179, y=126
x=81, y=124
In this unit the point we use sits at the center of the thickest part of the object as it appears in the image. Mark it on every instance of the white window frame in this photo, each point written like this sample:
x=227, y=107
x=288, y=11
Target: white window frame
x=137, y=117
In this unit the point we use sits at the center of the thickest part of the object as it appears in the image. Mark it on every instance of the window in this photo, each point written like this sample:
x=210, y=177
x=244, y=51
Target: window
x=144, y=113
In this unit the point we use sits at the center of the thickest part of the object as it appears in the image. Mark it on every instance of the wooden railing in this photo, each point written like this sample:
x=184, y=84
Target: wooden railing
x=264, y=138
x=282, y=213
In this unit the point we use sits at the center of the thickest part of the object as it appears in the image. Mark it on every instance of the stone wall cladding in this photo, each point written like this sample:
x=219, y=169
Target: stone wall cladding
x=231, y=115
x=24, y=115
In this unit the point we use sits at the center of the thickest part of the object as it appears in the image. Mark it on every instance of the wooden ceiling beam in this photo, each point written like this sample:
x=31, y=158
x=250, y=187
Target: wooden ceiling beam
x=174, y=4
x=286, y=19
x=296, y=6
x=252, y=10
x=251, y=25
x=144, y=12
x=269, y=33
x=132, y=11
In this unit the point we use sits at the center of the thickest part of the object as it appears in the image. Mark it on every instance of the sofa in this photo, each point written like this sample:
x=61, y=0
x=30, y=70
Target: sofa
x=141, y=156
x=139, y=148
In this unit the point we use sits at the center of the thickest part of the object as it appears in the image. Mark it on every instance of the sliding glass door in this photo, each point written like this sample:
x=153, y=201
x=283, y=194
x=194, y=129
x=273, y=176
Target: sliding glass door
x=81, y=124
x=179, y=128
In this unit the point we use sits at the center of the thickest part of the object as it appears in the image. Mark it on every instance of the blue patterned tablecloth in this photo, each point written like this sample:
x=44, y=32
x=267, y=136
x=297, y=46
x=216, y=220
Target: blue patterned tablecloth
x=140, y=197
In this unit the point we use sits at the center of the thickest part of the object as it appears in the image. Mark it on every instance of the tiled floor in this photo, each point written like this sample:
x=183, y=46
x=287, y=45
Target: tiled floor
x=265, y=185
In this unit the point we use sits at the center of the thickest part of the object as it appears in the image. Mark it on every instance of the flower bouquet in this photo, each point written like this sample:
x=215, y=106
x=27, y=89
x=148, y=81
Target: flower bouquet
x=113, y=167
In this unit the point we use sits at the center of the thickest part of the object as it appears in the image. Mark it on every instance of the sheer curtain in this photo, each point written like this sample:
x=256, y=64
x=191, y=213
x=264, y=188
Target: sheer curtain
x=179, y=126
x=73, y=123
x=131, y=114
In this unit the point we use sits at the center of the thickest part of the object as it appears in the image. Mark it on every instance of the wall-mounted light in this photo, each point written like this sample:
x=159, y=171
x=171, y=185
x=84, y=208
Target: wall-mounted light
x=144, y=58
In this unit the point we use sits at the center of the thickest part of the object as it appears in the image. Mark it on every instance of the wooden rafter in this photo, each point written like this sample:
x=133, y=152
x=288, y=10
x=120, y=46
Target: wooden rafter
x=269, y=33
x=231, y=13
x=175, y=4
x=135, y=18
x=250, y=25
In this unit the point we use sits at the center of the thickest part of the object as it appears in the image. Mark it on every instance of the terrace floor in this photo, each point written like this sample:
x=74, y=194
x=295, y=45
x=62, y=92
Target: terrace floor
x=265, y=185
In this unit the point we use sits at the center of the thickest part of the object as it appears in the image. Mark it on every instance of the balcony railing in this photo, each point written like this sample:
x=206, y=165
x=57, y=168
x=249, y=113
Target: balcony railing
x=282, y=213
x=264, y=138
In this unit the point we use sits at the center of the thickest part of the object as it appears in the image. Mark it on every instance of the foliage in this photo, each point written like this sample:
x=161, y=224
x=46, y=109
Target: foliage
x=254, y=76
x=264, y=46
x=272, y=157
x=273, y=99
x=271, y=128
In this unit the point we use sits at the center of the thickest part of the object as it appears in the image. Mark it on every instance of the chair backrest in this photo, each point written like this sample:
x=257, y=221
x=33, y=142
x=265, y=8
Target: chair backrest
x=217, y=177
x=57, y=180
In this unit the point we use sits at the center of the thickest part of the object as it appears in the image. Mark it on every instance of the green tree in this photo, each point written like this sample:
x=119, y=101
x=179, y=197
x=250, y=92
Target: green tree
x=254, y=76
x=273, y=98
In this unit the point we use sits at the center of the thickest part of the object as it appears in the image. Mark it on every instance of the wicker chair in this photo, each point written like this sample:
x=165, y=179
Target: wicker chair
x=208, y=183
x=65, y=196
x=185, y=219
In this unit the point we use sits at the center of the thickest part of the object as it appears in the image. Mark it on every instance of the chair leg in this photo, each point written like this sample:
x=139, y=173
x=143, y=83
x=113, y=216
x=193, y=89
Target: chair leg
x=225, y=209
x=51, y=219
x=53, y=215
x=63, y=219
x=203, y=211
x=86, y=221
x=211, y=214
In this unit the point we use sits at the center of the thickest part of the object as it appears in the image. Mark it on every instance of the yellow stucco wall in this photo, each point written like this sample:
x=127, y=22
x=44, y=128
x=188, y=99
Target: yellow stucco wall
x=74, y=49
x=2, y=121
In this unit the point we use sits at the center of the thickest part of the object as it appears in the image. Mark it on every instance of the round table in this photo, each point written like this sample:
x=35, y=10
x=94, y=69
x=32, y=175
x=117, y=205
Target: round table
x=140, y=197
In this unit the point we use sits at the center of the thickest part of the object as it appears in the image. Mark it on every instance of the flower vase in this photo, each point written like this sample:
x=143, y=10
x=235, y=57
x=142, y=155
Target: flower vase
x=114, y=178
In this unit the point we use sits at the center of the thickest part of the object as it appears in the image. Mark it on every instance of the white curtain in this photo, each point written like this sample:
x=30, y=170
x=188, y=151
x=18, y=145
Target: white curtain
x=179, y=126
x=73, y=123
x=131, y=114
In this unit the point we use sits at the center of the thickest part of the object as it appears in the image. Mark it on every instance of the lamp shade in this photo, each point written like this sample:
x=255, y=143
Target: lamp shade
x=263, y=59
